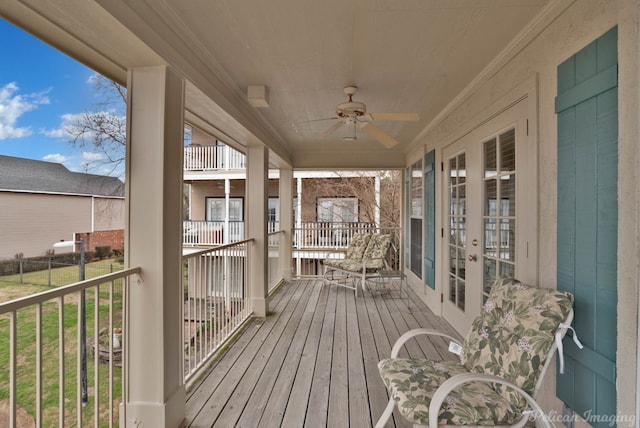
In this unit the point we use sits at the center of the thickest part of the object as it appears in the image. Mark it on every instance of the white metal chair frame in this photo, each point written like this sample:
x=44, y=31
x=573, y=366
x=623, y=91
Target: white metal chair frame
x=535, y=413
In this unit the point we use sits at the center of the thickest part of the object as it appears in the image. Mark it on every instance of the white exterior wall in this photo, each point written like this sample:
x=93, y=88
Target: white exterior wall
x=32, y=222
x=580, y=24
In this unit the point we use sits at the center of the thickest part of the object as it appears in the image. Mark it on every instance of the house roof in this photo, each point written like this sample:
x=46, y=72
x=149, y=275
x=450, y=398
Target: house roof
x=40, y=176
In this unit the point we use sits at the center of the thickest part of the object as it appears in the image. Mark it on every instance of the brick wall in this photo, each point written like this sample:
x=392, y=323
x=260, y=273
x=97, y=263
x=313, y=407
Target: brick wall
x=111, y=238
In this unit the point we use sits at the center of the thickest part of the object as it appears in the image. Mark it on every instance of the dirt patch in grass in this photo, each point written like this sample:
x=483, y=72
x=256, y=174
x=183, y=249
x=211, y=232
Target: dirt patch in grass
x=23, y=419
x=10, y=291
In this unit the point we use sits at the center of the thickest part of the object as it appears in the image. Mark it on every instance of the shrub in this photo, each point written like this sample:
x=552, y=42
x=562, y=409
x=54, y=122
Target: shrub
x=103, y=252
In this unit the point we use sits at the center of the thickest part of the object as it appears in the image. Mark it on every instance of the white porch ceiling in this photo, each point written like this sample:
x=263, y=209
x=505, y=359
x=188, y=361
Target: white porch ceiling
x=404, y=56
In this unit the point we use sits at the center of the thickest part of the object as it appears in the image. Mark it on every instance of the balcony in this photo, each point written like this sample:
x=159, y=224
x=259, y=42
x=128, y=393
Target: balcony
x=213, y=158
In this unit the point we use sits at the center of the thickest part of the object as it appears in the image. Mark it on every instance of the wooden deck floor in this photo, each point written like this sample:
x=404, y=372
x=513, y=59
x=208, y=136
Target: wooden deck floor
x=313, y=361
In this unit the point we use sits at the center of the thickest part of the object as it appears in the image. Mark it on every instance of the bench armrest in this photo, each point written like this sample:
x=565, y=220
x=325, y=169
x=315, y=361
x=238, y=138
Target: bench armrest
x=454, y=381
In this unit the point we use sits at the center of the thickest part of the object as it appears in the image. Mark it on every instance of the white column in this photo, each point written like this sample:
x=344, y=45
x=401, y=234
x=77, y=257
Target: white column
x=256, y=227
x=286, y=221
x=227, y=191
x=154, y=389
x=299, y=222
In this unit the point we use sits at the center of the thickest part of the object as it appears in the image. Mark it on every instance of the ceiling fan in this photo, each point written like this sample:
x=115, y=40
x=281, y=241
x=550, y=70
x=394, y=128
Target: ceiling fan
x=355, y=113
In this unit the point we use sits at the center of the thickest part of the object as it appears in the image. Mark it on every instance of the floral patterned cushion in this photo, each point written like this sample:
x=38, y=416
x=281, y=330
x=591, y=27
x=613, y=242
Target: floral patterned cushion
x=376, y=251
x=371, y=248
x=510, y=338
x=357, y=247
x=514, y=333
x=413, y=382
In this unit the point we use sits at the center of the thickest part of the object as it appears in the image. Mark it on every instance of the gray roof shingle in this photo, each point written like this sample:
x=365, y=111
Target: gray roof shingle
x=40, y=176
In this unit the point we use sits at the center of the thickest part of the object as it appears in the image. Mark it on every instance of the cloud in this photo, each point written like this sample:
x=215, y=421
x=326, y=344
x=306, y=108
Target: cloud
x=68, y=122
x=92, y=156
x=13, y=106
x=56, y=157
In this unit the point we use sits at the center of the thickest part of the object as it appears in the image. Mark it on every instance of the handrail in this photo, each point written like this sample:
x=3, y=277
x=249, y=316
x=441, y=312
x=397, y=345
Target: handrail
x=23, y=302
x=220, y=247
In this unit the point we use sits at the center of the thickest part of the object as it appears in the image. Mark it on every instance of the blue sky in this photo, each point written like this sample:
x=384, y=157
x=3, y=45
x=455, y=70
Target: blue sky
x=41, y=89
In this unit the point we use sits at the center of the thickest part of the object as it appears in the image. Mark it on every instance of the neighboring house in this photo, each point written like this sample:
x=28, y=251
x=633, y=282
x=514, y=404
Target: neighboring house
x=43, y=202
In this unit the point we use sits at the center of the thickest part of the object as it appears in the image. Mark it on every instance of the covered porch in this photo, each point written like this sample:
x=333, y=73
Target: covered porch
x=493, y=86
x=312, y=361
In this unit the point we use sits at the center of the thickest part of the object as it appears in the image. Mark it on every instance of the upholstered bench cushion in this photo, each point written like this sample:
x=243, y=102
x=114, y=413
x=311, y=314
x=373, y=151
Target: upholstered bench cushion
x=358, y=246
x=412, y=383
x=514, y=333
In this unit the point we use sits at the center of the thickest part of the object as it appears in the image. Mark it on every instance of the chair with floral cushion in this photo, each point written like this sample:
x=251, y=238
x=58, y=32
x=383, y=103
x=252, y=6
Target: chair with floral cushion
x=502, y=363
x=364, y=258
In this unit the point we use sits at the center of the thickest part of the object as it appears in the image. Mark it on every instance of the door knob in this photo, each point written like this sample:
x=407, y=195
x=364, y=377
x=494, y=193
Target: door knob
x=472, y=257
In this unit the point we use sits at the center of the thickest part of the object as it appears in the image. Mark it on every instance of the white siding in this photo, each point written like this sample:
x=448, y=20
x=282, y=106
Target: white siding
x=32, y=222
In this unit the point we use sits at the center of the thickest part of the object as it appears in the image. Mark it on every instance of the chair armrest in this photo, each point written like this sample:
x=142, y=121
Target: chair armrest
x=454, y=381
x=417, y=332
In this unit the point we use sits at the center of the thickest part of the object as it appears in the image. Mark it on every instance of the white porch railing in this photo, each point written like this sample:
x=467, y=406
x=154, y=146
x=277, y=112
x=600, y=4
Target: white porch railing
x=275, y=273
x=212, y=158
x=328, y=234
x=206, y=233
x=313, y=242
x=41, y=353
x=215, y=304
x=310, y=235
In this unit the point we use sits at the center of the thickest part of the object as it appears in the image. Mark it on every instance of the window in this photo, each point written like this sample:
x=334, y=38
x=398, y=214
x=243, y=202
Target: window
x=415, y=189
x=216, y=209
x=273, y=214
x=337, y=210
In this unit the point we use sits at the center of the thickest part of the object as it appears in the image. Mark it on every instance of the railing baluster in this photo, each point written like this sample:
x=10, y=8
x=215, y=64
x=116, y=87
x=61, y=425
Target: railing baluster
x=39, y=365
x=111, y=346
x=96, y=354
x=61, y=361
x=79, y=362
x=12, y=367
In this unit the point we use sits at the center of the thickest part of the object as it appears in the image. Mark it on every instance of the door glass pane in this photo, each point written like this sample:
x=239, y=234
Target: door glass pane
x=452, y=289
x=507, y=243
x=499, y=201
x=490, y=158
x=461, y=294
x=508, y=195
x=462, y=171
x=491, y=195
x=508, y=151
x=457, y=232
x=462, y=200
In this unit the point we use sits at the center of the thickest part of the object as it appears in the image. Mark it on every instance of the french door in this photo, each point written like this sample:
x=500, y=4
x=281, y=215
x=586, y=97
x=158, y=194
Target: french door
x=486, y=173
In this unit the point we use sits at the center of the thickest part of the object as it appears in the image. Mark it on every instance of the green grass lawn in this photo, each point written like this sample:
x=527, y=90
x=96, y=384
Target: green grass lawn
x=26, y=351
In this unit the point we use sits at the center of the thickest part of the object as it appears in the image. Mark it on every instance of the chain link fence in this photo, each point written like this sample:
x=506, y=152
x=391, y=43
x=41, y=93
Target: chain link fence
x=50, y=273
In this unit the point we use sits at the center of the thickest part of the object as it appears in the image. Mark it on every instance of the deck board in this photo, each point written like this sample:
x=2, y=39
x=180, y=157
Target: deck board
x=313, y=361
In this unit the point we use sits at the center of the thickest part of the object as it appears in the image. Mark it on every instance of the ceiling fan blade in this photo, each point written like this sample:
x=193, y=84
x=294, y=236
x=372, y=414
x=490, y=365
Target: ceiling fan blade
x=404, y=117
x=318, y=120
x=332, y=129
x=385, y=139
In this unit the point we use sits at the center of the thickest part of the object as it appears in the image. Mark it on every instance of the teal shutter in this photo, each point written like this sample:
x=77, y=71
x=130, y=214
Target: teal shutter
x=587, y=109
x=430, y=219
x=407, y=216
